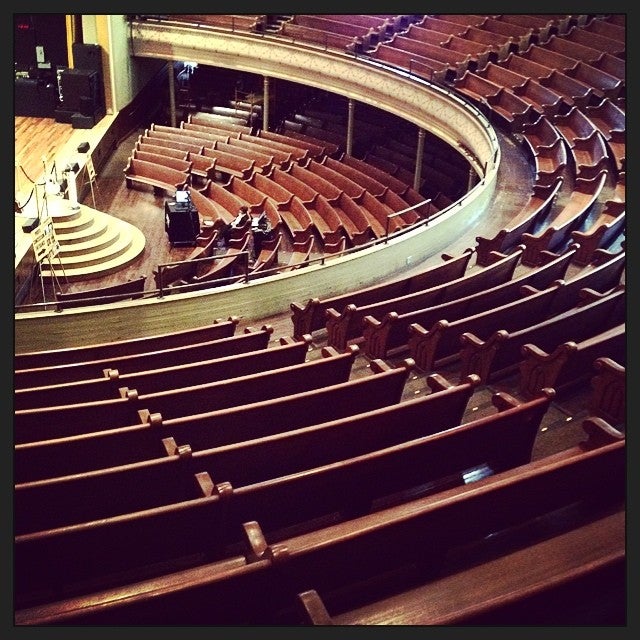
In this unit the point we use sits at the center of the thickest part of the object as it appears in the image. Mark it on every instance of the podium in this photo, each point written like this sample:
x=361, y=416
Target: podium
x=181, y=222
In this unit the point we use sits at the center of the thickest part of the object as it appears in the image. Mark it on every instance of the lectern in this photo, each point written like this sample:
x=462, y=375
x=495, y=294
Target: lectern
x=181, y=222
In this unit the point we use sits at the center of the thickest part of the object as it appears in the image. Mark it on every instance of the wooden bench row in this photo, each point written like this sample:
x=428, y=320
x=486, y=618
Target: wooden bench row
x=147, y=439
x=258, y=490
x=129, y=290
x=252, y=588
x=382, y=314
x=556, y=229
x=113, y=384
x=310, y=317
x=225, y=342
x=123, y=347
x=502, y=351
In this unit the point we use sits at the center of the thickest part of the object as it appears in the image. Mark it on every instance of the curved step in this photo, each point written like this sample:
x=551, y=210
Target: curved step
x=92, y=243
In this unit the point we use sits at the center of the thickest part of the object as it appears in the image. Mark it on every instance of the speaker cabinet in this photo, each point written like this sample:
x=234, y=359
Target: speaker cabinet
x=87, y=56
x=78, y=87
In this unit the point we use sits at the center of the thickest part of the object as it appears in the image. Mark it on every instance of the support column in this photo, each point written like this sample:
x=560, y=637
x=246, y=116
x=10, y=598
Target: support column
x=419, y=153
x=352, y=107
x=172, y=94
x=265, y=103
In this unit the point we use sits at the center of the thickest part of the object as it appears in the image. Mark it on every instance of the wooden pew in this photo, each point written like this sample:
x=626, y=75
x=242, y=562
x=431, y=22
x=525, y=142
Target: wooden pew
x=164, y=141
x=226, y=343
x=166, y=274
x=145, y=144
x=327, y=39
x=59, y=421
x=382, y=177
x=389, y=332
x=366, y=35
x=156, y=438
x=574, y=125
x=218, y=121
x=117, y=491
x=117, y=348
x=476, y=87
x=225, y=165
x=543, y=99
x=329, y=148
x=129, y=290
x=552, y=59
x=605, y=85
x=551, y=163
x=269, y=146
x=352, y=218
x=570, y=363
x=501, y=352
x=539, y=134
x=325, y=218
x=164, y=160
x=330, y=558
x=225, y=268
x=313, y=149
x=220, y=133
x=607, y=399
x=538, y=205
x=607, y=228
x=160, y=177
x=613, y=65
x=423, y=67
x=288, y=351
x=262, y=162
x=526, y=67
x=300, y=255
x=361, y=444
x=280, y=157
x=575, y=93
x=456, y=61
x=590, y=156
x=556, y=579
x=511, y=110
x=309, y=317
x=556, y=229
x=430, y=348
x=579, y=35
x=228, y=203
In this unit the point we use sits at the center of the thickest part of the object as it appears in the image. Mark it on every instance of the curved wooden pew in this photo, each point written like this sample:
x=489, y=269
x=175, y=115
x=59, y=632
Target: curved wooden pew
x=57, y=421
x=215, y=347
x=175, y=478
x=310, y=317
x=538, y=205
x=154, y=437
x=571, y=363
x=383, y=324
x=129, y=290
x=329, y=559
x=501, y=352
x=288, y=351
x=556, y=229
x=409, y=464
x=160, y=177
x=117, y=348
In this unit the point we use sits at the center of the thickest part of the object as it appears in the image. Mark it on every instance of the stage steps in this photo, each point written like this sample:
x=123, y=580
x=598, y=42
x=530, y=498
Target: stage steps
x=92, y=243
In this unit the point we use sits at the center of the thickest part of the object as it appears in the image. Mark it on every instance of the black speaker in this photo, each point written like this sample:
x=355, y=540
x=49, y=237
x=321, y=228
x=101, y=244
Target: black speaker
x=77, y=84
x=87, y=56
